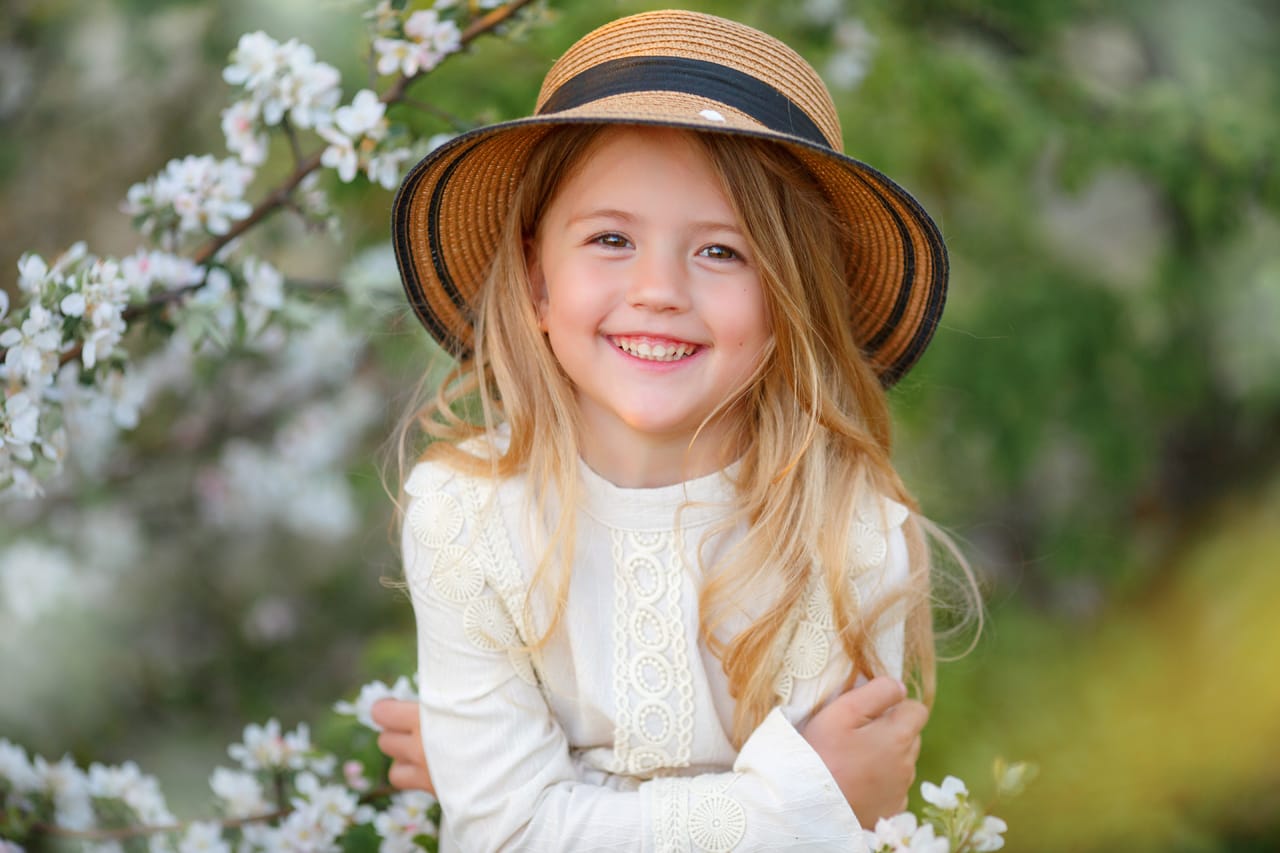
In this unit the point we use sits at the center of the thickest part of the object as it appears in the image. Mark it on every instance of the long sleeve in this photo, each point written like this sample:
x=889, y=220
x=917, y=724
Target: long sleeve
x=502, y=762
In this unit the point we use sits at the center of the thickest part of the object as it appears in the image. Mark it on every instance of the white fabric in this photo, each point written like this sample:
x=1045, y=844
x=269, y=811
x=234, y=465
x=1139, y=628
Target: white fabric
x=615, y=736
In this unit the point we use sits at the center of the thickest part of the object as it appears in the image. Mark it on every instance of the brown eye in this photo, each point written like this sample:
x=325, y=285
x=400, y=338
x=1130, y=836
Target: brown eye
x=612, y=241
x=719, y=253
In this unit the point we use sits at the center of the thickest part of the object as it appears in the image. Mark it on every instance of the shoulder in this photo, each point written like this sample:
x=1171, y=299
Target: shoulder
x=876, y=519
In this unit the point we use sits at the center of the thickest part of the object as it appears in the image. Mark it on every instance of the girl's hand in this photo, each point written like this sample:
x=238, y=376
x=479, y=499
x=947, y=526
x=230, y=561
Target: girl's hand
x=401, y=740
x=869, y=738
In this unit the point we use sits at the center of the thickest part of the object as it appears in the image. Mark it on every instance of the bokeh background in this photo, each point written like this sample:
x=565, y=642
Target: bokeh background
x=1098, y=420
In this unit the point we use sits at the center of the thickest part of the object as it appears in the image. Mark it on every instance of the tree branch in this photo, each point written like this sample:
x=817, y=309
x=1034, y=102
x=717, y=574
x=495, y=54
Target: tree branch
x=279, y=197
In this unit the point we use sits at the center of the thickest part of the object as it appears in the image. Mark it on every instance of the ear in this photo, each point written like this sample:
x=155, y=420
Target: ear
x=537, y=283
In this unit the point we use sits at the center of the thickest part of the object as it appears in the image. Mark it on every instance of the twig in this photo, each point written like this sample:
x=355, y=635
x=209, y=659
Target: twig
x=279, y=197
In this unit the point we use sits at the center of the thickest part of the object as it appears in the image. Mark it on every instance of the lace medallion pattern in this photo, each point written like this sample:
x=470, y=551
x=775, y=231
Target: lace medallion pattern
x=814, y=634
x=697, y=815
x=652, y=681
x=477, y=571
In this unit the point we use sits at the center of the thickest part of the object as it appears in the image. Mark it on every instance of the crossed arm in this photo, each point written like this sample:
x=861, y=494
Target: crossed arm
x=868, y=737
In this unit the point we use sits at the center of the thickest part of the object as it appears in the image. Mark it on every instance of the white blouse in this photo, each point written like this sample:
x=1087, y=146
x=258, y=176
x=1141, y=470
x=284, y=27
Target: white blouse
x=615, y=736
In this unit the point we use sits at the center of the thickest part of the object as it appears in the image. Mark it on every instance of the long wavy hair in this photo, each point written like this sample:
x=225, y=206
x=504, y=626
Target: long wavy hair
x=812, y=426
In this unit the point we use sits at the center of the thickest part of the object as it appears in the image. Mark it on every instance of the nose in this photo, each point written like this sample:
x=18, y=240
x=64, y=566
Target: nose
x=659, y=282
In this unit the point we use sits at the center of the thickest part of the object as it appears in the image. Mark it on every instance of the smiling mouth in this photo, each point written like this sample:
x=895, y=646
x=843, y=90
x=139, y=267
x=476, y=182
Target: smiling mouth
x=651, y=349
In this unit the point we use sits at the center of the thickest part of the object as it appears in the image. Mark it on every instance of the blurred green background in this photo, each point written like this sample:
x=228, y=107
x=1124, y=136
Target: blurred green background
x=1097, y=421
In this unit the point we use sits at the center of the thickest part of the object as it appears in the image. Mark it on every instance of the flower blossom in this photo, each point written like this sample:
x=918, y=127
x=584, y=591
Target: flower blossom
x=989, y=836
x=948, y=796
x=405, y=819
x=903, y=834
x=280, y=79
x=70, y=788
x=245, y=138
x=333, y=806
x=430, y=40
x=194, y=194
x=239, y=792
x=264, y=294
x=266, y=748
x=137, y=790
x=16, y=769
x=203, y=837
x=373, y=692
x=32, y=348
x=32, y=272
x=98, y=296
x=145, y=270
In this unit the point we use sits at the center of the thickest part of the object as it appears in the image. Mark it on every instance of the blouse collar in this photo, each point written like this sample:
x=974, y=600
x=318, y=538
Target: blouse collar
x=704, y=499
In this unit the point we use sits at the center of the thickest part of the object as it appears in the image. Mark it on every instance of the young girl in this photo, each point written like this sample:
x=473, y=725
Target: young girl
x=666, y=580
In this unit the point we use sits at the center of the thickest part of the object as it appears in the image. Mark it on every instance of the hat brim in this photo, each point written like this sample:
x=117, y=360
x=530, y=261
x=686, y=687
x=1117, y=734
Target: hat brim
x=448, y=216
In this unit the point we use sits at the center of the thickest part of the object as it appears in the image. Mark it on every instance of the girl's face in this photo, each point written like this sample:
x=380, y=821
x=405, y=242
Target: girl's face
x=650, y=299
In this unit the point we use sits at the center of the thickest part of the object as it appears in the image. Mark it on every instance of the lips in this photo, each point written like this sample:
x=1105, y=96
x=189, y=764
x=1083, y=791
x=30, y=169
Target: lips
x=653, y=348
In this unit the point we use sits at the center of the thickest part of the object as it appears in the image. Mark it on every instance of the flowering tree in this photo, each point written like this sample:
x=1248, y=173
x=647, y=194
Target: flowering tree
x=272, y=378
x=273, y=374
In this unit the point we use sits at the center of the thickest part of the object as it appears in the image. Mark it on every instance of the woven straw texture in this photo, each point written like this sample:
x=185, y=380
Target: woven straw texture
x=450, y=210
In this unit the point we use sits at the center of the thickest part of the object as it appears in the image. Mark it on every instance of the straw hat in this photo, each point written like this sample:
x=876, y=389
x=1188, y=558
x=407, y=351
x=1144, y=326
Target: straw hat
x=677, y=69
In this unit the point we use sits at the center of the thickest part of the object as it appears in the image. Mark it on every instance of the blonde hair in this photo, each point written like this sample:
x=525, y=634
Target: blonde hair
x=814, y=435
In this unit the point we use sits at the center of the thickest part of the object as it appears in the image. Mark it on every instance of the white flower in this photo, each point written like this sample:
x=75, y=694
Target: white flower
x=192, y=194
x=373, y=692
x=396, y=55
x=386, y=169
x=264, y=747
x=255, y=61
x=244, y=137
x=32, y=348
x=403, y=820
x=138, y=791
x=353, y=775
x=70, y=788
x=384, y=17
x=32, y=273
x=203, y=837
x=264, y=293
x=144, y=270
x=306, y=830
x=19, y=424
x=946, y=797
x=332, y=806
x=16, y=768
x=988, y=836
x=310, y=88
x=363, y=117
x=903, y=834
x=340, y=155
x=240, y=793
x=33, y=579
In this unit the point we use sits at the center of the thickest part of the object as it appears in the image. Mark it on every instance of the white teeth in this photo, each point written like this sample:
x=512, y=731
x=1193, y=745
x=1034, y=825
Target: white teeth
x=654, y=352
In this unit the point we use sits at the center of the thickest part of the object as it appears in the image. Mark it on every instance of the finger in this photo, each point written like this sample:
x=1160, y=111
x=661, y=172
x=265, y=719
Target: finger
x=871, y=700
x=398, y=714
x=908, y=716
x=410, y=777
x=914, y=752
x=401, y=747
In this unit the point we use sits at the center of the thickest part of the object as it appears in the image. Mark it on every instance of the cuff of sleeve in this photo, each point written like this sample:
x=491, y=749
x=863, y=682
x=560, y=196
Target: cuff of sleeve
x=796, y=776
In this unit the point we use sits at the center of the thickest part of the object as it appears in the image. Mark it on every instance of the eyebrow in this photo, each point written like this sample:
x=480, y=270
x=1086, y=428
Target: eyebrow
x=624, y=216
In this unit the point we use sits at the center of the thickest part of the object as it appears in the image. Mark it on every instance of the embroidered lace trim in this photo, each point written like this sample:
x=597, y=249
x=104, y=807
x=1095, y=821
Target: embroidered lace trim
x=652, y=679
x=481, y=577
x=810, y=646
x=696, y=814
